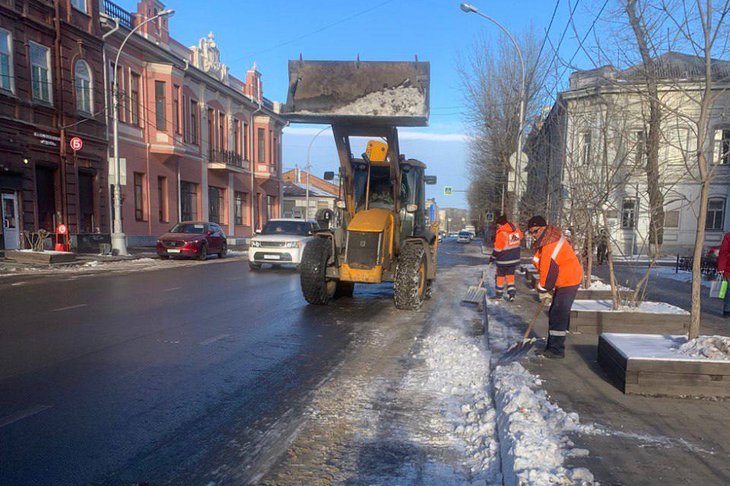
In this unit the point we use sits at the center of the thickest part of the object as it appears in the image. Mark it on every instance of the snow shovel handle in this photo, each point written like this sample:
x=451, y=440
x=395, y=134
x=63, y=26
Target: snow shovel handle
x=540, y=306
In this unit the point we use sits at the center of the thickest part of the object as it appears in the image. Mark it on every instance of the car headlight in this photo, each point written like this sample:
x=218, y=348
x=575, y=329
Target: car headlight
x=293, y=244
x=255, y=244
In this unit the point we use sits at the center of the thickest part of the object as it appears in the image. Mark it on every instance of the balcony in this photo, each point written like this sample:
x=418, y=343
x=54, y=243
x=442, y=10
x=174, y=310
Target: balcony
x=227, y=160
x=114, y=11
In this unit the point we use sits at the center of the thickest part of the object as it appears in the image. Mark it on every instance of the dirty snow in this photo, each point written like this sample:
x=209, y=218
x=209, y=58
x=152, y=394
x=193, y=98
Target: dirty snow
x=673, y=348
x=644, y=307
x=680, y=276
x=710, y=347
x=398, y=101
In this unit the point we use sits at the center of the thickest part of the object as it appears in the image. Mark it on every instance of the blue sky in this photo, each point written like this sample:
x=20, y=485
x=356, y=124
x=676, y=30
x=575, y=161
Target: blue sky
x=270, y=32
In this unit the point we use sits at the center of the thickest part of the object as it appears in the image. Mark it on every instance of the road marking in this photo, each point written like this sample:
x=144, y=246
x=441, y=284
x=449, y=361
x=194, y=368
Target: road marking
x=214, y=339
x=171, y=289
x=28, y=412
x=18, y=283
x=69, y=307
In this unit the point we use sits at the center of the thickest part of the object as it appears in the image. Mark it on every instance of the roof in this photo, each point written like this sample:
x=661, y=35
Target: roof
x=297, y=189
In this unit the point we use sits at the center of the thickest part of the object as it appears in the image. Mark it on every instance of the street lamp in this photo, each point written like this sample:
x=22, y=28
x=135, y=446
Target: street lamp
x=309, y=169
x=119, y=240
x=518, y=169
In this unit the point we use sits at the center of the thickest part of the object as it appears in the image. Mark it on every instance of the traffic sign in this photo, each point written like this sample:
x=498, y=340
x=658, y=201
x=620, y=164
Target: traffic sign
x=490, y=216
x=62, y=229
x=76, y=144
x=448, y=190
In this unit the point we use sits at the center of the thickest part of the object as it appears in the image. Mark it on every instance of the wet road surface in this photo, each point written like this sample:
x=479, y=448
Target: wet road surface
x=157, y=376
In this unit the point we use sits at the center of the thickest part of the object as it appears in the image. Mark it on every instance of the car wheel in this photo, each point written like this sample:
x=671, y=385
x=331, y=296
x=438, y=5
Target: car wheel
x=316, y=287
x=203, y=255
x=224, y=251
x=254, y=266
x=409, y=286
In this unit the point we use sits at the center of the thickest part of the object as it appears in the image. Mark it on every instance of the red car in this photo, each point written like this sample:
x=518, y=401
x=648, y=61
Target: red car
x=193, y=239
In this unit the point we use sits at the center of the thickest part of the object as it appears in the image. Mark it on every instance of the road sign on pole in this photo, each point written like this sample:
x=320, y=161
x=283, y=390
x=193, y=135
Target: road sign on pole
x=490, y=216
x=448, y=190
x=76, y=144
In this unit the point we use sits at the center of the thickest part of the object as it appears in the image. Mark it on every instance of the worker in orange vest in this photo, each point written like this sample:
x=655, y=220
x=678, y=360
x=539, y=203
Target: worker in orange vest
x=506, y=254
x=560, y=276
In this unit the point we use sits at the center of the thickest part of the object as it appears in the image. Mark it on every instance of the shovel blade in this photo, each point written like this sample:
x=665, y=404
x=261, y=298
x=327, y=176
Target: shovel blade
x=517, y=351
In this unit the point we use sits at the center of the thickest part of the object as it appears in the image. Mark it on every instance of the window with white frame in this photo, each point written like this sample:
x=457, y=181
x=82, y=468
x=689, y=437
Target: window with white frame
x=40, y=67
x=628, y=213
x=585, y=148
x=80, y=5
x=722, y=145
x=6, y=60
x=715, y=214
x=82, y=84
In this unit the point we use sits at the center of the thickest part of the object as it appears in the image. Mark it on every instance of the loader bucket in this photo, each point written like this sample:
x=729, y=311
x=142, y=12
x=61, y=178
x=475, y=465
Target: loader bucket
x=372, y=93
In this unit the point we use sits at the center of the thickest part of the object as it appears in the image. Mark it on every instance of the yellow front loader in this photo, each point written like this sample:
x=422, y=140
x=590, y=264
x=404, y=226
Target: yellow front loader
x=381, y=232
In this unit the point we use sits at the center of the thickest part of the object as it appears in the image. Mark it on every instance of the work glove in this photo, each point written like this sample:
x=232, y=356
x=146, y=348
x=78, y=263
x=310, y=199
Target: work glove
x=491, y=259
x=545, y=297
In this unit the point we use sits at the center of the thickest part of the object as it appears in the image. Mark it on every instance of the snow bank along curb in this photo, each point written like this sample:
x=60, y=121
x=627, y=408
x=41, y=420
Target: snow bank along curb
x=533, y=432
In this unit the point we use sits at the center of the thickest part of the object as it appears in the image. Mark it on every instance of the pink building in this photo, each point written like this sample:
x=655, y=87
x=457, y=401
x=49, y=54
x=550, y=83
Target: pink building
x=199, y=143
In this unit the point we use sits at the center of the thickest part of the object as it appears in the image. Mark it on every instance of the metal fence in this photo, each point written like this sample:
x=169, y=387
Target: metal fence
x=116, y=12
x=708, y=266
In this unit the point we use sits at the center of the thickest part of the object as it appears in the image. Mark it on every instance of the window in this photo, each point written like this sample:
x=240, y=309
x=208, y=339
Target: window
x=176, y=108
x=162, y=198
x=237, y=136
x=639, y=149
x=271, y=147
x=193, y=122
x=715, y=214
x=79, y=5
x=215, y=204
x=160, y=105
x=6, y=61
x=262, y=145
x=671, y=218
x=222, y=132
x=82, y=84
x=139, y=196
x=245, y=141
x=270, y=207
x=628, y=214
x=585, y=149
x=134, y=99
x=722, y=146
x=188, y=201
x=211, y=129
x=40, y=62
x=240, y=207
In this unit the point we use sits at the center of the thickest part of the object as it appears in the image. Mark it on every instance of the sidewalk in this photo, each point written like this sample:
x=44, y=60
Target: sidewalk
x=631, y=439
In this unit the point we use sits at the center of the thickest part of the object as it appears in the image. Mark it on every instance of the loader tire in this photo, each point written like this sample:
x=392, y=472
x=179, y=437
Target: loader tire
x=410, y=277
x=316, y=287
x=344, y=289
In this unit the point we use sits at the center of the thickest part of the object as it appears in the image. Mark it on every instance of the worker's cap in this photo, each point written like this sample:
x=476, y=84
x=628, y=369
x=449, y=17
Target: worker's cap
x=536, y=221
x=502, y=220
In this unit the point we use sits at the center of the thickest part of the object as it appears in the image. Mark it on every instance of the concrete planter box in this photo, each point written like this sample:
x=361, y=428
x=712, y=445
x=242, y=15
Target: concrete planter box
x=586, y=319
x=40, y=257
x=589, y=294
x=659, y=371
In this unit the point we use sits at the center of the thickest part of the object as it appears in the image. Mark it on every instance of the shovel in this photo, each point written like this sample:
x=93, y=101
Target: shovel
x=475, y=293
x=516, y=351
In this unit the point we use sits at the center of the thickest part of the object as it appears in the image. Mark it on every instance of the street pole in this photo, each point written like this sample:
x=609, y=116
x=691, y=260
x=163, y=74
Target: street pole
x=518, y=169
x=309, y=169
x=119, y=239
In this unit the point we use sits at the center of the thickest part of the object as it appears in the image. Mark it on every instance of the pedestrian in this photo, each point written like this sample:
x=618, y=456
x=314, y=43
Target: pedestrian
x=506, y=253
x=723, y=268
x=602, y=246
x=560, y=276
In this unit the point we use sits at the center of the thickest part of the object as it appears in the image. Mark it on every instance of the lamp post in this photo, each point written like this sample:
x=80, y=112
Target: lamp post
x=309, y=149
x=518, y=169
x=119, y=240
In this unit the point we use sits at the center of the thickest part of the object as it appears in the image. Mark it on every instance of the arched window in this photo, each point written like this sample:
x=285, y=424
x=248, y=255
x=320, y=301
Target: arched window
x=82, y=81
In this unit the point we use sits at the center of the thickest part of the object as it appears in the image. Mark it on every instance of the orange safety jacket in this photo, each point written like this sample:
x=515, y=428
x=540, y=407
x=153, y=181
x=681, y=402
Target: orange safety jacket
x=507, y=245
x=558, y=265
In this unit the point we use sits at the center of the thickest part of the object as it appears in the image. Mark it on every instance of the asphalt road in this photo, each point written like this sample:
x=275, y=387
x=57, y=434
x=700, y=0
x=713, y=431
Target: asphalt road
x=144, y=376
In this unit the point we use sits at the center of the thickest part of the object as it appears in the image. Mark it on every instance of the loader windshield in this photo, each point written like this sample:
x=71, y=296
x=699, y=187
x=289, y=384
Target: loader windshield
x=381, y=190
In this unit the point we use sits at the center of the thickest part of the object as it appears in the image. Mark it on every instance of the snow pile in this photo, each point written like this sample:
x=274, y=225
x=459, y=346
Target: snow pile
x=680, y=276
x=604, y=305
x=710, y=347
x=459, y=372
x=398, y=101
x=533, y=432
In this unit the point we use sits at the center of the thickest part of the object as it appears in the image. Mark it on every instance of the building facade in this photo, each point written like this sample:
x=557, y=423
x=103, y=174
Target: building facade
x=197, y=143
x=51, y=91
x=587, y=155
x=322, y=194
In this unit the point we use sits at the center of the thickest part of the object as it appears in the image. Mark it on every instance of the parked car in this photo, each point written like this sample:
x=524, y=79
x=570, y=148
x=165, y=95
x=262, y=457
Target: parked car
x=193, y=239
x=453, y=234
x=281, y=241
x=464, y=237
